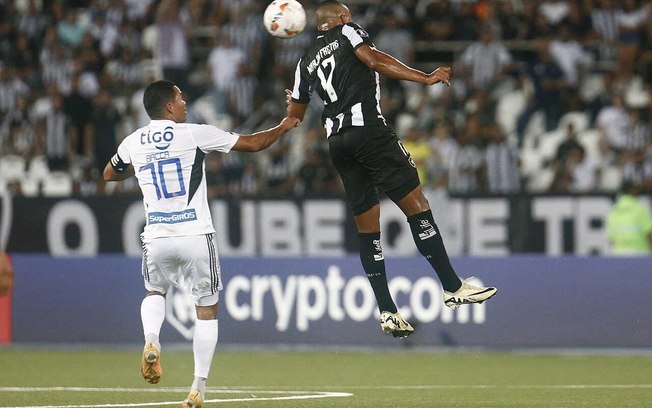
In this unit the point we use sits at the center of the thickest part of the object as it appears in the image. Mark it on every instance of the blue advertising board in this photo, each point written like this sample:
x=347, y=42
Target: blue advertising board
x=541, y=302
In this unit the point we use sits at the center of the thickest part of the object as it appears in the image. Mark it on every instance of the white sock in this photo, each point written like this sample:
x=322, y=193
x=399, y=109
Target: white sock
x=152, y=314
x=203, y=346
x=199, y=384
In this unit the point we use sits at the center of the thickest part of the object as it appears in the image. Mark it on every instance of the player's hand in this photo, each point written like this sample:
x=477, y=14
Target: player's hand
x=288, y=96
x=441, y=74
x=290, y=122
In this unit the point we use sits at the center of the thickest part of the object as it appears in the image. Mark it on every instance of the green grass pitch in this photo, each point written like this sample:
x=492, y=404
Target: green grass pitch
x=105, y=378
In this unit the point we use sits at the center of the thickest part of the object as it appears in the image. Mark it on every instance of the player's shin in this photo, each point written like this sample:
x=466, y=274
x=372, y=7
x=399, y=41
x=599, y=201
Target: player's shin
x=373, y=262
x=431, y=245
x=203, y=347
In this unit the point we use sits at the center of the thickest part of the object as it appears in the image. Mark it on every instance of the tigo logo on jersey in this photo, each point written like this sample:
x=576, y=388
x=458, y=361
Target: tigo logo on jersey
x=161, y=140
x=171, y=218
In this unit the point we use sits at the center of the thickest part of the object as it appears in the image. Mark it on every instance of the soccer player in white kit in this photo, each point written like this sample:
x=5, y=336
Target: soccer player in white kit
x=167, y=158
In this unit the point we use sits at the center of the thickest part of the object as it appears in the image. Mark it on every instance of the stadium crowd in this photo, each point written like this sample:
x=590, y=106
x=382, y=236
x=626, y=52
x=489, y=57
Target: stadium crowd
x=548, y=96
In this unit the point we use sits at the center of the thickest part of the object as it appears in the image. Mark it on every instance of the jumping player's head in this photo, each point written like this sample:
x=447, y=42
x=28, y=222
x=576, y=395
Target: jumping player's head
x=164, y=100
x=332, y=13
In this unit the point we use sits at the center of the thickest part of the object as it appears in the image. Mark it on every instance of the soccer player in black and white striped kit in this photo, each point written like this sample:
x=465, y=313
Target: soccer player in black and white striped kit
x=343, y=67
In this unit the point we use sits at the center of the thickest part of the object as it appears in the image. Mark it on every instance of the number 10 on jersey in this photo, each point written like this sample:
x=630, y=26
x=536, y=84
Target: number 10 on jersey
x=163, y=175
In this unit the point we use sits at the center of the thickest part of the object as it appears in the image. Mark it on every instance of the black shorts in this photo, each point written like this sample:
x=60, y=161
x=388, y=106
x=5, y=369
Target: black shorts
x=372, y=158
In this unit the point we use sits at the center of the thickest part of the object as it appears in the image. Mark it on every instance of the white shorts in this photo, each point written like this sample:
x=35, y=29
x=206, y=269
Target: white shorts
x=186, y=262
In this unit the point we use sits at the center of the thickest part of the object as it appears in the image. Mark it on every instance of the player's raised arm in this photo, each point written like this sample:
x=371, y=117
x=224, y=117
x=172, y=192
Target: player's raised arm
x=263, y=139
x=385, y=64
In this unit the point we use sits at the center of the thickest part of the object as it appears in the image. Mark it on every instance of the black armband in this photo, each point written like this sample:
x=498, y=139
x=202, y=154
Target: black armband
x=117, y=164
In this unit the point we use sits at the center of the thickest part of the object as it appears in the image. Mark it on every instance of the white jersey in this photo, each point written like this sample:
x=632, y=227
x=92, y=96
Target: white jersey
x=168, y=159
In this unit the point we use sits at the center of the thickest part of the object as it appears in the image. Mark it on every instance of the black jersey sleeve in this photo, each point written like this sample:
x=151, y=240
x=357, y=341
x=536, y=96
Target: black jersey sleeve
x=356, y=35
x=302, y=89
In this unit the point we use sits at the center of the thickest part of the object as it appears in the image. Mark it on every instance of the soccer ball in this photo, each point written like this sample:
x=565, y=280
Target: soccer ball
x=284, y=18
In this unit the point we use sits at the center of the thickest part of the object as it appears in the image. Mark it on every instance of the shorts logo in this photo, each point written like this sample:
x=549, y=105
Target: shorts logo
x=407, y=154
x=171, y=218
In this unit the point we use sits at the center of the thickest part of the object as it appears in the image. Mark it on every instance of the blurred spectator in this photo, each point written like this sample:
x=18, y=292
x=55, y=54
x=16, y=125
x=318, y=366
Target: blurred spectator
x=467, y=166
x=502, y=162
x=247, y=35
x=631, y=20
x=22, y=53
x=137, y=9
x=279, y=177
x=549, y=88
x=637, y=169
x=58, y=149
x=136, y=109
x=173, y=42
x=317, y=176
x=638, y=134
x=569, y=144
x=629, y=224
x=569, y=55
x=510, y=21
x=225, y=62
x=579, y=20
x=576, y=174
x=18, y=132
x=89, y=183
x=443, y=143
x=250, y=181
x=605, y=26
x=435, y=19
x=11, y=88
x=78, y=109
x=395, y=39
x=126, y=72
x=105, y=33
x=216, y=179
x=32, y=22
x=554, y=11
x=465, y=22
x=104, y=123
x=485, y=62
x=612, y=122
x=84, y=71
x=70, y=30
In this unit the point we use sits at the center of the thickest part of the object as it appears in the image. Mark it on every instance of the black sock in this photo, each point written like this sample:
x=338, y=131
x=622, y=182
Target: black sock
x=371, y=255
x=431, y=245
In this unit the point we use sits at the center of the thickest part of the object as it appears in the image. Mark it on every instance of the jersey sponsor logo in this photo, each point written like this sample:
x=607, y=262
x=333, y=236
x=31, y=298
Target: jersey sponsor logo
x=361, y=32
x=172, y=218
x=161, y=140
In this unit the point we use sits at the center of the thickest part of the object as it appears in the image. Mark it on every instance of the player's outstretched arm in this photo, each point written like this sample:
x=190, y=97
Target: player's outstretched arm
x=263, y=139
x=385, y=64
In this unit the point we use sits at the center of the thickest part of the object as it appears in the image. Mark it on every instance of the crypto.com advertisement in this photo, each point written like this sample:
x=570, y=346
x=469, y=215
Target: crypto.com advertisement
x=328, y=302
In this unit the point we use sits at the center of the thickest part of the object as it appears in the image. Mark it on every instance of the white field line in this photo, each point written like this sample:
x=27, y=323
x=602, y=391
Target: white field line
x=300, y=395
x=283, y=394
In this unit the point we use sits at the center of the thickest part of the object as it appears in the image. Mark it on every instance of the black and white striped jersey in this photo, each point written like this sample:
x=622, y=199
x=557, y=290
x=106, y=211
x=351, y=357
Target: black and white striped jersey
x=350, y=90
